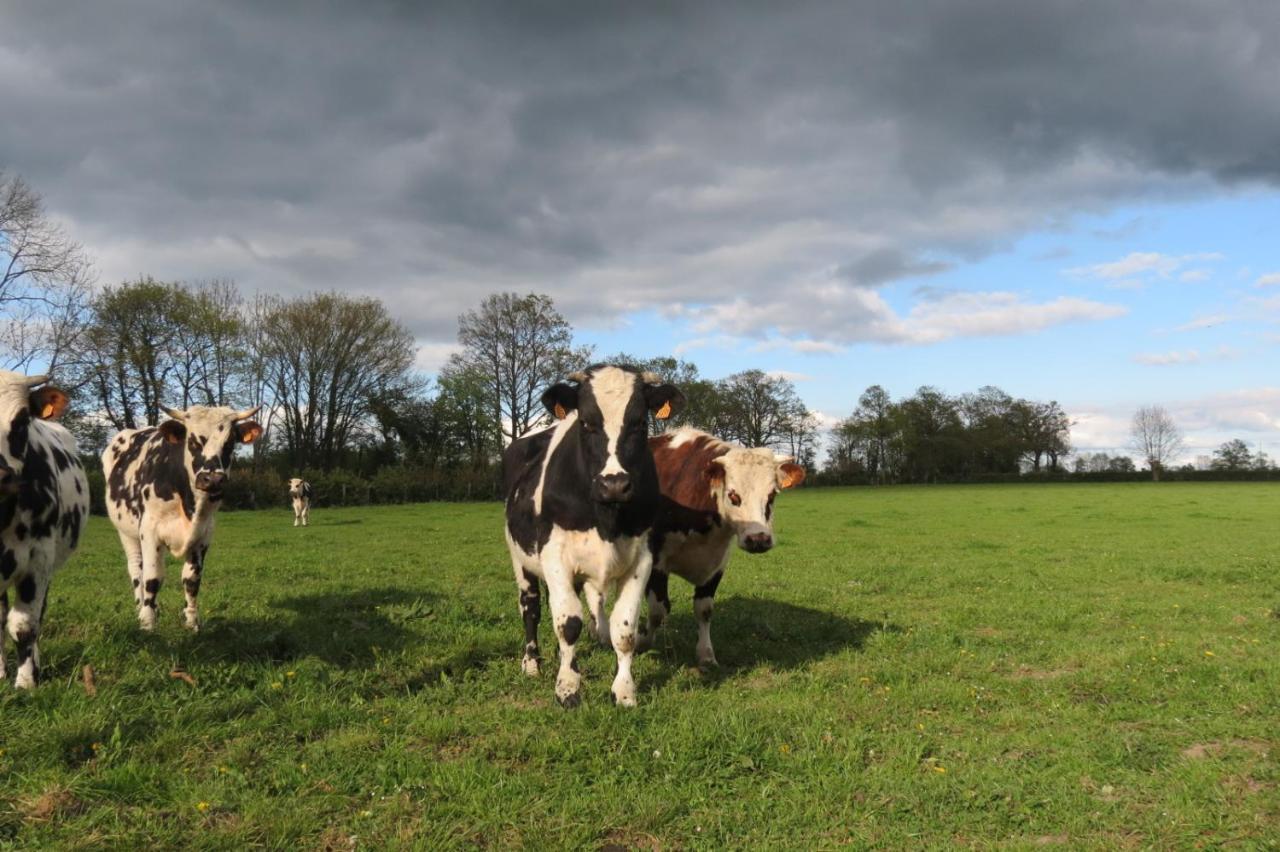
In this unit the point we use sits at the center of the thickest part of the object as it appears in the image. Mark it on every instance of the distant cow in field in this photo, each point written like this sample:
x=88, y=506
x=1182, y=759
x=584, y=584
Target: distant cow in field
x=581, y=499
x=164, y=486
x=713, y=493
x=44, y=501
x=300, y=496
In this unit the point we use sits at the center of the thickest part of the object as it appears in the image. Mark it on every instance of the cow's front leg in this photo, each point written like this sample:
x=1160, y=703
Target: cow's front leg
x=566, y=615
x=703, y=600
x=23, y=621
x=306, y=514
x=133, y=563
x=659, y=606
x=531, y=615
x=623, y=624
x=191, y=573
x=598, y=626
x=4, y=619
x=152, y=579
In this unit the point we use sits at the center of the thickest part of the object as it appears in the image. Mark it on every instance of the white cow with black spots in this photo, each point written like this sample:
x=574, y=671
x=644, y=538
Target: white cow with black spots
x=44, y=501
x=164, y=487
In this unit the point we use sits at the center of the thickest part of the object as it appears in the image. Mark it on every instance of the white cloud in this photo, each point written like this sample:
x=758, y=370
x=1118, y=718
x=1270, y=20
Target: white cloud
x=1203, y=322
x=1139, y=267
x=432, y=356
x=1165, y=359
x=1271, y=279
x=790, y=375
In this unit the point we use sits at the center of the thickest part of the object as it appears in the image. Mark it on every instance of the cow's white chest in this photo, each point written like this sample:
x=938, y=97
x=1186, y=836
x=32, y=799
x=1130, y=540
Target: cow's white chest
x=697, y=557
x=585, y=554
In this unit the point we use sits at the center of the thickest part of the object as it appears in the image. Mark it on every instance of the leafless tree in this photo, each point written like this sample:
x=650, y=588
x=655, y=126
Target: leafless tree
x=520, y=345
x=1155, y=437
x=44, y=280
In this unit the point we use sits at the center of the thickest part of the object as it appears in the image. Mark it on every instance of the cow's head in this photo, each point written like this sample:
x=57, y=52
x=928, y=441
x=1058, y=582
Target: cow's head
x=609, y=409
x=295, y=487
x=22, y=399
x=209, y=436
x=744, y=483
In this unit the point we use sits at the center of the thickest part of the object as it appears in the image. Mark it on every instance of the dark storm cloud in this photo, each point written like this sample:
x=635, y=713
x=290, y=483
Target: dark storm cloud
x=625, y=156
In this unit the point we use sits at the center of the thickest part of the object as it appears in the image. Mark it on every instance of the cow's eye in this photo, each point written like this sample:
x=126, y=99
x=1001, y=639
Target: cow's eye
x=590, y=427
x=734, y=498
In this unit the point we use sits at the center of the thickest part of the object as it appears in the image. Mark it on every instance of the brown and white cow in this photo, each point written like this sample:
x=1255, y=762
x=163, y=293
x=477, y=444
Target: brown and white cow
x=300, y=497
x=164, y=486
x=44, y=501
x=713, y=494
x=581, y=501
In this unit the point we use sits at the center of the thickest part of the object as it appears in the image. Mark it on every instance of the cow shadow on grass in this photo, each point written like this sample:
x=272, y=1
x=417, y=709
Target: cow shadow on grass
x=749, y=633
x=345, y=629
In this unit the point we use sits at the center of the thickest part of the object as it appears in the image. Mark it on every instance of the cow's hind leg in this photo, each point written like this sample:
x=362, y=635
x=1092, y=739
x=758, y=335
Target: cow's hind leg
x=133, y=563
x=531, y=615
x=623, y=623
x=152, y=579
x=191, y=573
x=566, y=615
x=659, y=607
x=703, y=600
x=23, y=621
x=598, y=625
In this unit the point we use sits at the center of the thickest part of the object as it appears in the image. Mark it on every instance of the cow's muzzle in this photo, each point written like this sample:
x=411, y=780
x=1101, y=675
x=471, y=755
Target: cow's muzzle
x=756, y=540
x=613, y=488
x=211, y=481
x=9, y=481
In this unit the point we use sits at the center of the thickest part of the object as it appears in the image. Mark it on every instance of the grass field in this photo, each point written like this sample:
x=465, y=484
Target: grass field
x=1090, y=665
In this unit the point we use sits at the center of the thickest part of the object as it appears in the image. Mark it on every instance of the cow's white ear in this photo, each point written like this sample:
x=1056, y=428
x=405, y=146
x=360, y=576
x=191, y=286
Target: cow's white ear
x=249, y=431
x=48, y=403
x=173, y=431
x=790, y=475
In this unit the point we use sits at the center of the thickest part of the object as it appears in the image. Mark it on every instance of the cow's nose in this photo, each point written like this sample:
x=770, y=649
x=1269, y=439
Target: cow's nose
x=210, y=480
x=613, y=488
x=8, y=480
x=757, y=542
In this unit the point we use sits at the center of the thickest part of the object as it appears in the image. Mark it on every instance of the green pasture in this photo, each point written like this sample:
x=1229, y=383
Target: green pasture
x=1095, y=666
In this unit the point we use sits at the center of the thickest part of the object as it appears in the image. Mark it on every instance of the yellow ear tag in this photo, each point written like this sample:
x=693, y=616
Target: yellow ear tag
x=47, y=411
x=560, y=412
x=664, y=412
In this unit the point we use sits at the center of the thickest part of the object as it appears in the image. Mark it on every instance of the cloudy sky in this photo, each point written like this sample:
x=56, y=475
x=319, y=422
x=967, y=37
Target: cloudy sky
x=1069, y=200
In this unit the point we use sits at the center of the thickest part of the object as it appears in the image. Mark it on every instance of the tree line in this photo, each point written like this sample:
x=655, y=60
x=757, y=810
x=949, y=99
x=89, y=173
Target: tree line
x=344, y=405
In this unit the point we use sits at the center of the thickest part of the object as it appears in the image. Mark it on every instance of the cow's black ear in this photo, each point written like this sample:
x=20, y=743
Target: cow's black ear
x=48, y=402
x=173, y=431
x=560, y=400
x=663, y=400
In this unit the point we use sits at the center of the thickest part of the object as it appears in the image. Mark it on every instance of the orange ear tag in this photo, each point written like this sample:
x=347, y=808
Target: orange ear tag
x=47, y=411
x=664, y=412
x=560, y=412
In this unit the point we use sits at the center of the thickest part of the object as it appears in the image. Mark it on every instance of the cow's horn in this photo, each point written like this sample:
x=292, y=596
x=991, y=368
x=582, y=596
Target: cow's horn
x=32, y=381
x=650, y=378
x=780, y=458
x=174, y=413
x=578, y=376
x=248, y=412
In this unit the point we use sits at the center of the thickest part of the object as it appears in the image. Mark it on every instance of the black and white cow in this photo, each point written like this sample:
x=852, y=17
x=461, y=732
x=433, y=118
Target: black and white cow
x=300, y=496
x=44, y=501
x=164, y=486
x=581, y=497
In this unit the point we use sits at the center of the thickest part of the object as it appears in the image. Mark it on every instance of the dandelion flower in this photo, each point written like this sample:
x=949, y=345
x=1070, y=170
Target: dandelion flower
x=202, y=806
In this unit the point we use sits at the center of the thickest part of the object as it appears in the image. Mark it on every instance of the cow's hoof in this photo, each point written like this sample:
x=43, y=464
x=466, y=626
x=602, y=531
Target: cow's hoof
x=623, y=698
x=24, y=681
x=708, y=664
x=193, y=623
x=570, y=701
x=531, y=666
x=147, y=620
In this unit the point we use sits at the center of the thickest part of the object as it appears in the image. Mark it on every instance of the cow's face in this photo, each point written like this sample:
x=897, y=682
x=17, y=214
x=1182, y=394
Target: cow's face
x=295, y=487
x=21, y=401
x=744, y=483
x=611, y=406
x=209, y=437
